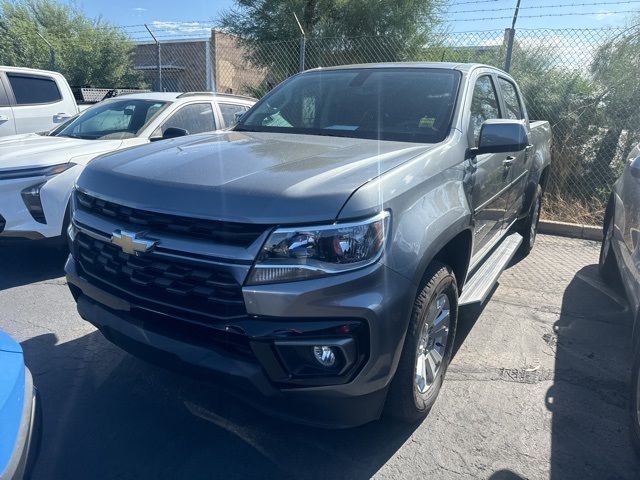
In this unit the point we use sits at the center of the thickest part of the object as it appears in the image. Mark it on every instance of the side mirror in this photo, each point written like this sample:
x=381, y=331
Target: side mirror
x=171, y=132
x=501, y=136
x=237, y=117
x=635, y=168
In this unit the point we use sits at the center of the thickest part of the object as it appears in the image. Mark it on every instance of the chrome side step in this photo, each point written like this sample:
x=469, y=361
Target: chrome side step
x=480, y=284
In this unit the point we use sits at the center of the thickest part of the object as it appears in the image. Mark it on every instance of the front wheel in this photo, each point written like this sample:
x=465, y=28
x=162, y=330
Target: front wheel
x=607, y=263
x=529, y=226
x=427, y=348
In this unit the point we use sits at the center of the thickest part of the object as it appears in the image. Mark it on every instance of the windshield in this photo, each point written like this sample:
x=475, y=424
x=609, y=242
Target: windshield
x=403, y=104
x=111, y=120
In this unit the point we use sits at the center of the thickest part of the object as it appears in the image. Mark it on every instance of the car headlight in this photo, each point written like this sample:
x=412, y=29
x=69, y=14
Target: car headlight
x=303, y=253
x=49, y=171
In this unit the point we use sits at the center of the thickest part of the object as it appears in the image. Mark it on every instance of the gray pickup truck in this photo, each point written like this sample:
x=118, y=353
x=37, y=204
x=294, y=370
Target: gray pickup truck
x=313, y=258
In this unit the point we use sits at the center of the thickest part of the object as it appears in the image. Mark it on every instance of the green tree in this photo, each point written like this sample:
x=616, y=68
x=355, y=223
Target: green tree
x=86, y=51
x=616, y=69
x=334, y=29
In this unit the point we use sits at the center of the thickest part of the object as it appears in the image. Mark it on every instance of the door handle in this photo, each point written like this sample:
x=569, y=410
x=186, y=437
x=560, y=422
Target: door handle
x=4, y=118
x=508, y=161
x=61, y=117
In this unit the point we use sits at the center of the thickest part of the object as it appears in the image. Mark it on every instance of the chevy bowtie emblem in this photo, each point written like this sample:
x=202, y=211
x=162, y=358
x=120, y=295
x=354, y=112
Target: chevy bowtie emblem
x=130, y=243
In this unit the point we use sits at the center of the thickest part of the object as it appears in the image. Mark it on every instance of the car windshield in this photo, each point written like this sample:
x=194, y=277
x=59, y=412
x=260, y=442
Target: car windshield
x=117, y=119
x=402, y=104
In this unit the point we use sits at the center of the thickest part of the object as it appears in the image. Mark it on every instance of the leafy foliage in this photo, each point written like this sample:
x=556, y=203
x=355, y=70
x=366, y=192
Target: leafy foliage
x=87, y=52
x=332, y=29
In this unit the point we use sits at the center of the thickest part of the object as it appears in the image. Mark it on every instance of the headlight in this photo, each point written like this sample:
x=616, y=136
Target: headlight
x=302, y=253
x=49, y=171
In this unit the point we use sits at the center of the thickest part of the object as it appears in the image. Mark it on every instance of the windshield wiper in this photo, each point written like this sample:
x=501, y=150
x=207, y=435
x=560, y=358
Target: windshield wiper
x=238, y=128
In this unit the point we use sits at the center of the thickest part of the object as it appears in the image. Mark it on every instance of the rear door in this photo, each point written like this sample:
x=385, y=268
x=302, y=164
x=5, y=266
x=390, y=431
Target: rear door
x=228, y=112
x=490, y=181
x=516, y=164
x=7, y=124
x=38, y=103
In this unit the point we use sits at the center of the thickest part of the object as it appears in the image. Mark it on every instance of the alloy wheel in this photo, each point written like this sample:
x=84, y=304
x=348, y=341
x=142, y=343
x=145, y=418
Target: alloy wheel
x=432, y=344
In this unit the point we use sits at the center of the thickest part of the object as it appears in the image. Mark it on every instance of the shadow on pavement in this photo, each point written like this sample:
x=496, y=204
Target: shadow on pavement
x=27, y=261
x=110, y=415
x=589, y=397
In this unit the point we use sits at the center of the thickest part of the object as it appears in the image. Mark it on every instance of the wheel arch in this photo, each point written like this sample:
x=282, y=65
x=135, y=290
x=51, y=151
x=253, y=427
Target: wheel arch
x=452, y=248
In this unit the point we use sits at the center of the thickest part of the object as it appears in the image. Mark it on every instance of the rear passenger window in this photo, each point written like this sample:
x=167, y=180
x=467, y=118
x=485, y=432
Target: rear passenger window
x=32, y=89
x=484, y=105
x=229, y=111
x=195, y=118
x=511, y=100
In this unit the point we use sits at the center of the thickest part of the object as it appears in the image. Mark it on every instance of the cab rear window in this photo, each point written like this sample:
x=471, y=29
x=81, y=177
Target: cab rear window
x=33, y=89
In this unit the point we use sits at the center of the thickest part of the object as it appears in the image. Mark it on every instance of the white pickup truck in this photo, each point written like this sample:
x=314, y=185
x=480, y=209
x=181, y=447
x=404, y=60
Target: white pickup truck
x=33, y=100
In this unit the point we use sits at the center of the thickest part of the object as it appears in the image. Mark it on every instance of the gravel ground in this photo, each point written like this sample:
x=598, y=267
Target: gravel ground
x=538, y=388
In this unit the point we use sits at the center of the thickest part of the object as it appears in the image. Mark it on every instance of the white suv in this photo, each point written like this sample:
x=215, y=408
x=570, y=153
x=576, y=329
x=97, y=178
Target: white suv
x=33, y=100
x=37, y=172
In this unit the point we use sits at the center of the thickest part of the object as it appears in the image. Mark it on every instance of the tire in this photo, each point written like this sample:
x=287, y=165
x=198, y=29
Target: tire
x=417, y=381
x=529, y=225
x=635, y=402
x=607, y=263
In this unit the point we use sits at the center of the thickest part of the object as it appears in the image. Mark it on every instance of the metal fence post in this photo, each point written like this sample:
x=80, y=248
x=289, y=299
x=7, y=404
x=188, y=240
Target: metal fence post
x=52, y=52
x=159, y=57
x=303, y=46
x=510, y=34
x=159, y=66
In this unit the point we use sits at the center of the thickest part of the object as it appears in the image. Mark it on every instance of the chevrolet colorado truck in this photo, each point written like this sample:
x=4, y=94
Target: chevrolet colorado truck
x=313, y=258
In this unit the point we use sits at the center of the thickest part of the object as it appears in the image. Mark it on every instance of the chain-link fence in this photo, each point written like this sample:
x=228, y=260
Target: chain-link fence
x=583, y=81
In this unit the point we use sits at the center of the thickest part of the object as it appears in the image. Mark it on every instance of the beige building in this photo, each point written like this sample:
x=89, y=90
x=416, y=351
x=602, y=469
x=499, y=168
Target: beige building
x=217, y=63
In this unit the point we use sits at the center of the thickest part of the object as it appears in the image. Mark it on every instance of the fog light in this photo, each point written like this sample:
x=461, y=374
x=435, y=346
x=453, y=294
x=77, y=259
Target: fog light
x=324, y=355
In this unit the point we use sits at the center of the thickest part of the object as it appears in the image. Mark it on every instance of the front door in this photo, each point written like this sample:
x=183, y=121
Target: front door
x=629, y=226
x=490, y=179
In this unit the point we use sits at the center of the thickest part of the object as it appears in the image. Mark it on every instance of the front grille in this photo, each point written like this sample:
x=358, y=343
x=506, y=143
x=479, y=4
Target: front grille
x=228, y=233
x=168, y=286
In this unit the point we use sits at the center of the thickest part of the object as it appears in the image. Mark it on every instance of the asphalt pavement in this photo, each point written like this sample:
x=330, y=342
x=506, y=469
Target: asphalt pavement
x=538, y=388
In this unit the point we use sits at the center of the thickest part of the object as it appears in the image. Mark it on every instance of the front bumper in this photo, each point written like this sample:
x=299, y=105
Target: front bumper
x=245, y=359
x=28, y=440
x=54, y=197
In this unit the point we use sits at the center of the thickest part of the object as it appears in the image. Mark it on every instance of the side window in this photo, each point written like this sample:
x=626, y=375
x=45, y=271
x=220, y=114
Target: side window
x=484, y=105
x=511, y=100
x=229, y=111
x=195, y=118
x=31, y=89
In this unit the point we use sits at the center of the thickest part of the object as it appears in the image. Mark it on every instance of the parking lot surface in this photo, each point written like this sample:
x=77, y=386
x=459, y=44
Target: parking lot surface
x=538, y=388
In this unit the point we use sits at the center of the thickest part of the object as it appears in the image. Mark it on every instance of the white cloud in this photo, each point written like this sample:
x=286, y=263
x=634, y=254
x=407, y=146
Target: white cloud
x=181, y=28
x=139, y=9
x=603, y=15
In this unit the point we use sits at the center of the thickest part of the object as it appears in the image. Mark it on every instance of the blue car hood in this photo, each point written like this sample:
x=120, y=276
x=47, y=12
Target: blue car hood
x=12, y=396
x=8, y=344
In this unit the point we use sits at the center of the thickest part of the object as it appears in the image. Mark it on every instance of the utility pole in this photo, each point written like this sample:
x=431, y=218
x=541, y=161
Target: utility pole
x=303, y=42
x=510, y=34
x=159, y=57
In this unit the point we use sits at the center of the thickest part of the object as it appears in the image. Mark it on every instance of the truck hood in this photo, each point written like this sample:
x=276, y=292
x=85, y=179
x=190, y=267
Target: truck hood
x=248, y=177
x=32, y=150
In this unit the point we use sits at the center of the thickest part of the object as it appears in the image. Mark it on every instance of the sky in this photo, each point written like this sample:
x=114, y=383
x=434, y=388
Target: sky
x=489, y=14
